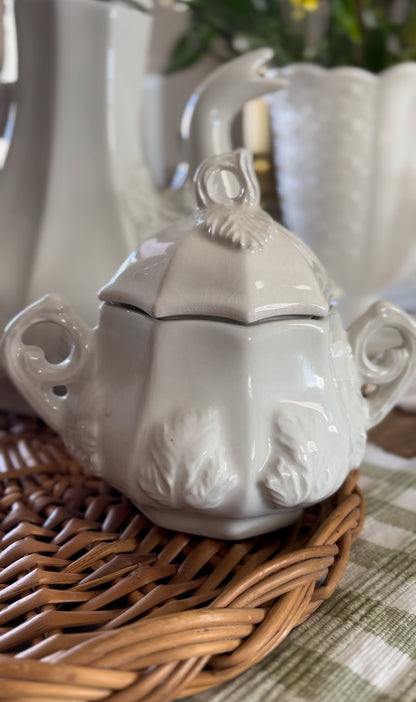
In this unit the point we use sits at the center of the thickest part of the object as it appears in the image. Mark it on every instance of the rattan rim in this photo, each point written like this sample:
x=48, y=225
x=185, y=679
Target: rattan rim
x=97, y=603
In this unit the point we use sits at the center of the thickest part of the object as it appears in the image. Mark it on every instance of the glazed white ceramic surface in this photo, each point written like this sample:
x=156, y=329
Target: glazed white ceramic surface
x=207, y=121
x=74, y=177
x=180, y=272
x=208, y=424
x=346, y=171
x=76, y=196
x=75, y=151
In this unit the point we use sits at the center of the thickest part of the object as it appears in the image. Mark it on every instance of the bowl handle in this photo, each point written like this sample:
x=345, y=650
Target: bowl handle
x=386, y=371
x=44, y=384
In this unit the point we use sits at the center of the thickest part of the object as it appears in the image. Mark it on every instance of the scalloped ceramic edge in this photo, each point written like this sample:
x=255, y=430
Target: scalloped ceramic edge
x=346, y=171
x=210, y=425
x=230, y=260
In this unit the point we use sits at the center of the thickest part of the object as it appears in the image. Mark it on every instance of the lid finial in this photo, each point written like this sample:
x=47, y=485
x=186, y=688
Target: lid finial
x=234, y=219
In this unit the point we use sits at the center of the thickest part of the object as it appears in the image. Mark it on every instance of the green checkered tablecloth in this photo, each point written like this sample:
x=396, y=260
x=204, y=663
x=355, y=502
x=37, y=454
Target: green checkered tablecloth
x=360, y=645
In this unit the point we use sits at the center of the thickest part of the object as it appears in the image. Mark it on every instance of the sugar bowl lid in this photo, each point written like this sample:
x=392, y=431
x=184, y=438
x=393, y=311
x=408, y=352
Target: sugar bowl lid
x=228, y=260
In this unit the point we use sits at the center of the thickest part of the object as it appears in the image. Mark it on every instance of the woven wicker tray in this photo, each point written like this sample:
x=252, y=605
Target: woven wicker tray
x=97, y=603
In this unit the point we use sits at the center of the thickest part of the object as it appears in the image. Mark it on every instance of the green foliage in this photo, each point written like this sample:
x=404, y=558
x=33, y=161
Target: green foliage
x=191, y=46
x=356, y=32
x=348, y=19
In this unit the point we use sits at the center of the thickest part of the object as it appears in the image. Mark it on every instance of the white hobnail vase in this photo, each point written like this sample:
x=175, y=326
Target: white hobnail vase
x=346, y=169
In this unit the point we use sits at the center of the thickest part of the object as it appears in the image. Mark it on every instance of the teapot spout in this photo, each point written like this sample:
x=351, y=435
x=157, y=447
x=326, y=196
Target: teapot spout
x=210, y=111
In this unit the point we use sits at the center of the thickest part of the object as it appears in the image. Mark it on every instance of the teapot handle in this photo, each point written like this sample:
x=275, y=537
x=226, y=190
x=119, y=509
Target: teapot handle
x=44, y=384
x=390, y=371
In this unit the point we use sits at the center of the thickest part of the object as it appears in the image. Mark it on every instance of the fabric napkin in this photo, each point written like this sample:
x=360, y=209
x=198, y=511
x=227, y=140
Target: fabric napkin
x=360, y=644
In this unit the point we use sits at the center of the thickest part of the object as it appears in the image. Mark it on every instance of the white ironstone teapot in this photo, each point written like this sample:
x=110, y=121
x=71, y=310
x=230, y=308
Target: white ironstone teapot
x=219, y=390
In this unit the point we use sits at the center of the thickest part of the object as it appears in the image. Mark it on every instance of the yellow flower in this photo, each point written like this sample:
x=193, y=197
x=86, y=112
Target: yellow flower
x=302, y=6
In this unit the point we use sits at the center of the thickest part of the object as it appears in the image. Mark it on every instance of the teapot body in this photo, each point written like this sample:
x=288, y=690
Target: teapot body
x=218, y=428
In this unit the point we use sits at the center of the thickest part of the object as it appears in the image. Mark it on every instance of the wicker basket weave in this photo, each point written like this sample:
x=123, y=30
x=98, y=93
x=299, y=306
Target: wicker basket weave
x=97, y=603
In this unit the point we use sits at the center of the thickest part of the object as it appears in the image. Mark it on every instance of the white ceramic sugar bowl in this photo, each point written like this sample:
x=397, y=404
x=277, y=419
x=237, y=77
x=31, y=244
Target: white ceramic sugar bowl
x=219, y=390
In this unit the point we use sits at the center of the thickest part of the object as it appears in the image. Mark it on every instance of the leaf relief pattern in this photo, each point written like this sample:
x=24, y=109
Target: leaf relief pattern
x=308, y=461
x=184, y=462
x=311, y=455
x=244, y=228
